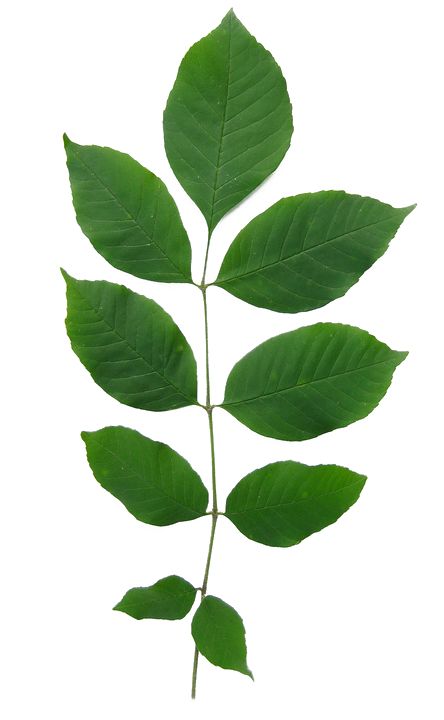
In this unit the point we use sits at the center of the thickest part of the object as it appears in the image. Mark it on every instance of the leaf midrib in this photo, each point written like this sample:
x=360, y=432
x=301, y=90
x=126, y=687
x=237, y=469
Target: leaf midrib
x=222, y=129
x=302, y=251
x=130, y=215
x=158, y=601
x=295, y=502
x=304, y=384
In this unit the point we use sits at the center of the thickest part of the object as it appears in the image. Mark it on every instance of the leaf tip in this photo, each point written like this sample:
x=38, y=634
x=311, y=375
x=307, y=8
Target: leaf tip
x=360, y=481
x=66, y=140
x=65, y=275
x=230, y=16
x=118, y=607
x=410, y=208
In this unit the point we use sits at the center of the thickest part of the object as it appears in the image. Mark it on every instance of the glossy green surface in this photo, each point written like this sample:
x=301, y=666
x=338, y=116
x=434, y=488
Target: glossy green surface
x=309, y=381
x=128, y=214
x=168, y=599
x=307, y=250
x=219, y=634
x=156, y=484
x=130, y=345
x=285, y=502
x=228, y=122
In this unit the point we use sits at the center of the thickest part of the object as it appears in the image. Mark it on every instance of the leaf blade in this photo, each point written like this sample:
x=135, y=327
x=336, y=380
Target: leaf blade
x=130, y=345
x=128, y=214
x=310, y=381
x=170, y=598
x=155, y=484
x=228, y=121
x=219, y=634
x=283, y=503
x=307, y=250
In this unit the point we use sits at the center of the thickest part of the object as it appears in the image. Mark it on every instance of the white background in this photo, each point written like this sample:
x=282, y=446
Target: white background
x=347, y=626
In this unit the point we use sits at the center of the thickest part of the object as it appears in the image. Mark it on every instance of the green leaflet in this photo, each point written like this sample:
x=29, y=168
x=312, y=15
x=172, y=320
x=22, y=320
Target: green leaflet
x=227, y=123
x=168, y=599
x=219, y=634
x=130, y=345
x=307, y=250
x=128, y=214
x=156, y=484
x=285, y=502
x=309, y=381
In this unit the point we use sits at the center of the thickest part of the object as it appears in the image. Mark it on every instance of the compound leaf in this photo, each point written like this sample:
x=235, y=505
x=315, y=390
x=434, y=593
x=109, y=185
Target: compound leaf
x=285, y=502
x=219, y=634
x=168, y=599
x=307, y=250
x=128, y=214
x=228, y=121
x=309, y=381
x=156, y=484
x=130, y=345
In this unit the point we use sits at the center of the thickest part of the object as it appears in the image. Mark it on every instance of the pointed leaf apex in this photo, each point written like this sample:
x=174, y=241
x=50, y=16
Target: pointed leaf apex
x=66, y=140
x=231, y=17
x=65, y=275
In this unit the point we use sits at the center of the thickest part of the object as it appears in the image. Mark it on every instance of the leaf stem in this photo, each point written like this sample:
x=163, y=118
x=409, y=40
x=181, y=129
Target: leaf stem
x=204, y=273
x=208, y=407
x=207, y=354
